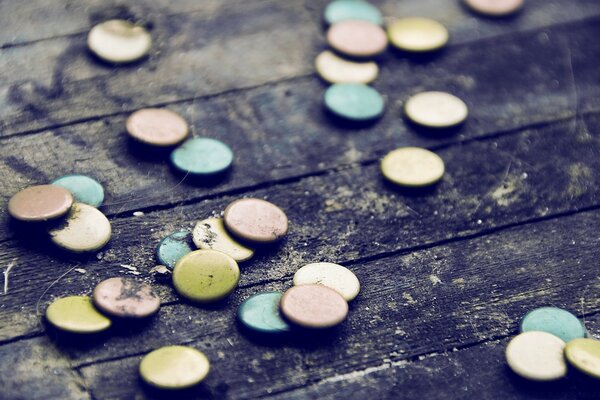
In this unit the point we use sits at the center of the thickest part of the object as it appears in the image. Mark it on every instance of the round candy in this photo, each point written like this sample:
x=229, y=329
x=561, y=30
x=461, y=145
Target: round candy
x=354, y=101
x=313, y=306
x=256, y=220
x=341, y=10
x=157, y=127
x=553, y=320
x=334, y=276
x=260, y=313
x=537, y=356
x=412, y=167
x=436, y=110
x=584, y=354
x=76, y=314
x=174, y=367
x=119, y=41
x=205, y=275
x=357, y=38
x=173, y=247
x=334, y=69
x=495, y=8
x=202, y=156
x=211, y=234
x=85, y=229
x=83, y=188
x=125, y=298
x=40, y=203
x=417, y=34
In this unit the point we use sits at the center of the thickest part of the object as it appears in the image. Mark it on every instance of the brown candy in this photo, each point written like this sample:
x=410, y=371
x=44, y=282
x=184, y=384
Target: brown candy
x=40, y=203
x=313, y=306
x=256, y=220
x=125, y=298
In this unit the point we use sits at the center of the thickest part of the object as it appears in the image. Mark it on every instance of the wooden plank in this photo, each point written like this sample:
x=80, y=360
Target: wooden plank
x=346, y=215
x=477, y=372
x=190, y=58
x=34, y=369
x=47, y=19
x=283, y=130
x=412, y=305
x=56, y=82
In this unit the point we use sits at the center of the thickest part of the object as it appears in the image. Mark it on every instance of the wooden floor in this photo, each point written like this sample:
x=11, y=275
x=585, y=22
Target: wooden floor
x=446, y=275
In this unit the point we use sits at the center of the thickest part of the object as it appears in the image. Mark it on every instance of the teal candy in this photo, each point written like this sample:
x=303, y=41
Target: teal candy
x=354, y=101
x=553, y=320
x=83, y=188
x=202, y=156
x=260, y=313
x=173, y=247
x=342, y=10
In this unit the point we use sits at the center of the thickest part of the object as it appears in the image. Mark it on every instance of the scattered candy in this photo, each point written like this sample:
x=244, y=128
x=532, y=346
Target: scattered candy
x=174, y=367
x=260, y=313
x=256, y=220
x=119, y=41
x=436, y=110
x=76, y=314
x=553, y=320
x=202, y=156
x=495, y=8
x=211, y=234
x=584, y=354
x=412, y=167
x=206, y=276
x=334, y=69
x=342, y=10
x=85, y=229
x=334, y=276
x=84, y=189
x=125, y=298
x=40, y=203
x=173, y=247
x=354, y=101
x=537, y=356
x=356, y=38
x=313, y=306
x=417, y=34
x=157, y=127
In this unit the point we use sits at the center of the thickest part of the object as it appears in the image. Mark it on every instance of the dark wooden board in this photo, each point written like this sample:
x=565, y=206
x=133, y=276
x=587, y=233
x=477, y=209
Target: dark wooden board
x=283, y=128
x=489, y=184
x=446, y=274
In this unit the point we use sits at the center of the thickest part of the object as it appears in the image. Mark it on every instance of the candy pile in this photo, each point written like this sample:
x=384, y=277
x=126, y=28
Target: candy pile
x=550, y=338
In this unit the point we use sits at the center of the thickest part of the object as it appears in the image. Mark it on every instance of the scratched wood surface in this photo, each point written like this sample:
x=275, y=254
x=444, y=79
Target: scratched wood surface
x=446, y=273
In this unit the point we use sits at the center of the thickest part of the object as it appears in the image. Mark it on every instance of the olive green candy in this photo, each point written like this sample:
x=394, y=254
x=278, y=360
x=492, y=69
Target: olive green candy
x=202, y=156
x=354, y=101
x=260, y=313
x=553, y=320
x=584, y=354
x=342, y=10
x=206, y=276
x=76, y=314
x=83, y=188
x=174, y=367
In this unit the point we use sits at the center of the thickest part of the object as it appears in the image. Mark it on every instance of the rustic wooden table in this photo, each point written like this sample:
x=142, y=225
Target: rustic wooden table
x=446, y=275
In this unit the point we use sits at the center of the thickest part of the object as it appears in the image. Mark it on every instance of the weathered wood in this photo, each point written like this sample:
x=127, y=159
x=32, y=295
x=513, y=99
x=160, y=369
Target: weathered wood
x=350, y=214
x=510, y=228
x=412, y=305
x=283, y=130
x=195, y=59
x=478, y=372
x=34, y=369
